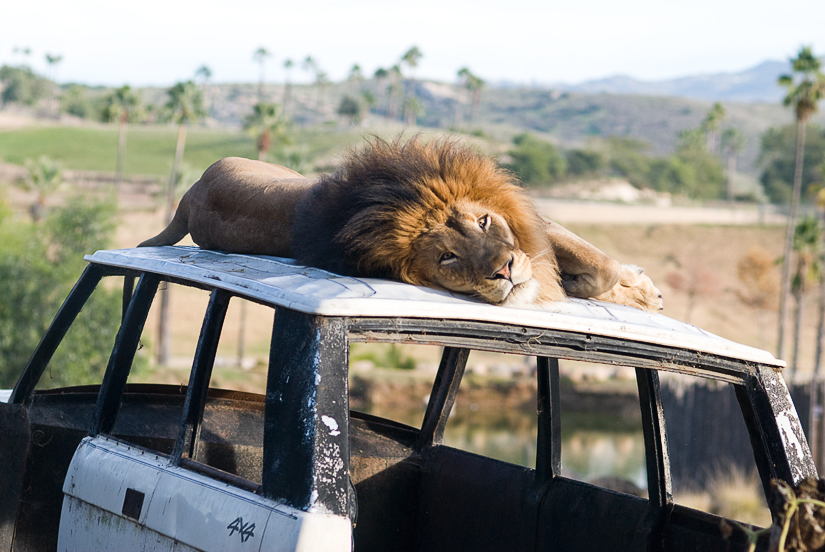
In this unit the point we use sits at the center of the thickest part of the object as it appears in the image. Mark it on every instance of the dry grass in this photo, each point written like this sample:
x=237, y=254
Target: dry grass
x=732, y=493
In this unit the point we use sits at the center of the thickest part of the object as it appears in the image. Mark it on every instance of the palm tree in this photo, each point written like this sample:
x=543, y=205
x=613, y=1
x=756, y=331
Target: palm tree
x=268, y=124
x=44, y=177
x=370, y=101
x=412, y=109
x=820, y=332
x=394, y=93
x=288, y=65
x=474, y=85
x=320, y=80
x=381, y=77
x=185, y=106
x=122, y=106
x=53, y=61
x=355, y=77
x=807, y=246
x=710, y=126
x=260, y=56
x=23, y=52
x=309, y=65
x=410, y=58
x=732, y=143
x=806, y=87
x=204, y=73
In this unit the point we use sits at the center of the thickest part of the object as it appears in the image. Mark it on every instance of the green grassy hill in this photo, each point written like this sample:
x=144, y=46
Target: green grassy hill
x=569, y=119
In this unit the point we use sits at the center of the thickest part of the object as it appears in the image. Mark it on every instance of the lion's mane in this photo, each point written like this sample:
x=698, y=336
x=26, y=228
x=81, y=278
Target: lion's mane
x=364, y=219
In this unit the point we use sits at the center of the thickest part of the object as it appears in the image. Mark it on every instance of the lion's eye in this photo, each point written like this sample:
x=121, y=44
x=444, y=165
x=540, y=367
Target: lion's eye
x=446, y=257
x=484, y=222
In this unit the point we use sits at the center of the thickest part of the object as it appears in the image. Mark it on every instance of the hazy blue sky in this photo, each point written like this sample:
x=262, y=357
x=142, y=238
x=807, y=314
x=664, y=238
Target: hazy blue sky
x=159, y=42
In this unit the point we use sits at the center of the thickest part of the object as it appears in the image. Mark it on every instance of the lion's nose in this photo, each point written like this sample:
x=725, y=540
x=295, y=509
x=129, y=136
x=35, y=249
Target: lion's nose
x=504, y=272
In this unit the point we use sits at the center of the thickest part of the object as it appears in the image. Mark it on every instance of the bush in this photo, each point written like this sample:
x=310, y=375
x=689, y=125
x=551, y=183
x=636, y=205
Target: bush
x=628, y=157
x=75, y=101
x=581, y=162
x=21, y=85
x=38, y=266
x=535, y=161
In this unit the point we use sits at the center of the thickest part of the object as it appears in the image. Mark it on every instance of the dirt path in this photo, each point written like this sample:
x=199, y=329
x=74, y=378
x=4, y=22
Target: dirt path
x=588, y=212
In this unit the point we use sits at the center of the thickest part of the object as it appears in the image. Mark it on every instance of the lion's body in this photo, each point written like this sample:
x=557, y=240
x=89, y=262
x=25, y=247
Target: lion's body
x=435, y=214
x=253, y=215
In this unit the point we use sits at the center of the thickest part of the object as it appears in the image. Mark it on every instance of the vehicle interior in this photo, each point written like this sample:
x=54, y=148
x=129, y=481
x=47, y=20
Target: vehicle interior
x=411, y=491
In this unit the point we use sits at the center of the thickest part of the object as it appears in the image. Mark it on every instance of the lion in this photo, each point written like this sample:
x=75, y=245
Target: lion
x=435, y=214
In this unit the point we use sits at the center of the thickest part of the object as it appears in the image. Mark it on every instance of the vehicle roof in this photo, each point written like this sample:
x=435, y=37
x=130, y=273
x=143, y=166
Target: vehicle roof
x=285, y=283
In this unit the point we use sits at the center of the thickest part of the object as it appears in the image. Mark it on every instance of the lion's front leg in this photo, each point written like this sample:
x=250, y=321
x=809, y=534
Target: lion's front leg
x=585, y=270
x=635, y=289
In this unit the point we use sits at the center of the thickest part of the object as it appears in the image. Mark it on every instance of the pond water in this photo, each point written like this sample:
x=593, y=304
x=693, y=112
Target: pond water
x=593, y=446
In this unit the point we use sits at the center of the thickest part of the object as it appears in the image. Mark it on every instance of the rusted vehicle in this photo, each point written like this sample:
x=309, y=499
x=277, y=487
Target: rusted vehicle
x=150, y=467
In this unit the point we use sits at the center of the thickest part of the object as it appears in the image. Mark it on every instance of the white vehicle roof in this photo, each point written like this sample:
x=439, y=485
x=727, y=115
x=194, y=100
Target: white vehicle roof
x=284, y=283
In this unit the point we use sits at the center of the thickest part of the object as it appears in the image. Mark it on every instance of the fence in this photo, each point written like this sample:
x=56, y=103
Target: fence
x=706, y=430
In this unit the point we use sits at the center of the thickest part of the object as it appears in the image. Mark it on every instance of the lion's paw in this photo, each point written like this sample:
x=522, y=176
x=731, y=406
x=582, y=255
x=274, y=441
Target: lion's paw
x=635, y=289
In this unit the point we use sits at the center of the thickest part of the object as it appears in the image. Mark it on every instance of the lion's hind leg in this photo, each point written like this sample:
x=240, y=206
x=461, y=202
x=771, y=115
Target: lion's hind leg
x=175, y=231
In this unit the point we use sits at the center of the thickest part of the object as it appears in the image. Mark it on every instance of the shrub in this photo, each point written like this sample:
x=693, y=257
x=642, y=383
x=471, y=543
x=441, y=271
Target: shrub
x=535, y=161
x=38, y=266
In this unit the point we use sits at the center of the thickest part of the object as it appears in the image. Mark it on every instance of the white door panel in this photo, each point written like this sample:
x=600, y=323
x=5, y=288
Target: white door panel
x=119, y=496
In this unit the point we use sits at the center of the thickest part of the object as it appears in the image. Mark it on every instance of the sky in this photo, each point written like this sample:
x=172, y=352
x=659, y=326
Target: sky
x=161, y=42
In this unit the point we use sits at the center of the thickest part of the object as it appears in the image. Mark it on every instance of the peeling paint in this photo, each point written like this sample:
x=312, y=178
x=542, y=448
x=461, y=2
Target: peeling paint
x=792, y=445
x=332, y=424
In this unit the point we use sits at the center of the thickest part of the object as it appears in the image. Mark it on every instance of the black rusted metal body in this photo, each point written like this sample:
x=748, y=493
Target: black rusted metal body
x=413, y=493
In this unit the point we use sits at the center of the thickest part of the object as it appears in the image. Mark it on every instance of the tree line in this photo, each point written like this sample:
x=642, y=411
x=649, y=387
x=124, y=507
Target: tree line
x=701, y=167
x=694, y=170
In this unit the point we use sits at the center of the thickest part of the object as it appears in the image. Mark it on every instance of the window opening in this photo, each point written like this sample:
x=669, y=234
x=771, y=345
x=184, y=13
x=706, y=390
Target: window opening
x=83, y=353
x=495, y=410
x=601, y=430
x=229, y=436
x=152, y=407
x=392, y=381
x=242, y=359
x=711, y=457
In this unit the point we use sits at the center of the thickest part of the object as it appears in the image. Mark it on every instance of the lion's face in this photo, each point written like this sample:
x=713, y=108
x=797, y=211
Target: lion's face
x=473, y=251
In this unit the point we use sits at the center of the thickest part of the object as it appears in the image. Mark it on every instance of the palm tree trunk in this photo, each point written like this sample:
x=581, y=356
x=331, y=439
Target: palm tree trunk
x=797, y=328
x=242, y=321
x=242, y=334
x=794, y=208
x=121, y=150
x=731, y=172
x=820, y=327
x=287, y=96
x=820, y=332
x=164, y=331
x=475, y=102
x=173, y=177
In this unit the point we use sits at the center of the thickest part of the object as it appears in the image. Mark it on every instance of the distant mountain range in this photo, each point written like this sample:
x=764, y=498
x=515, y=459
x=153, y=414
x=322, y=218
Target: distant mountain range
x=755, y=85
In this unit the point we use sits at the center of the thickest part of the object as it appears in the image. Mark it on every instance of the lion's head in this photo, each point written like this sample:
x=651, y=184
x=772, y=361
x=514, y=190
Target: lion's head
x=435, y=214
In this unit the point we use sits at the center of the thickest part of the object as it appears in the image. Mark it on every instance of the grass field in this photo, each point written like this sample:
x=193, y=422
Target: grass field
x=150, y=149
